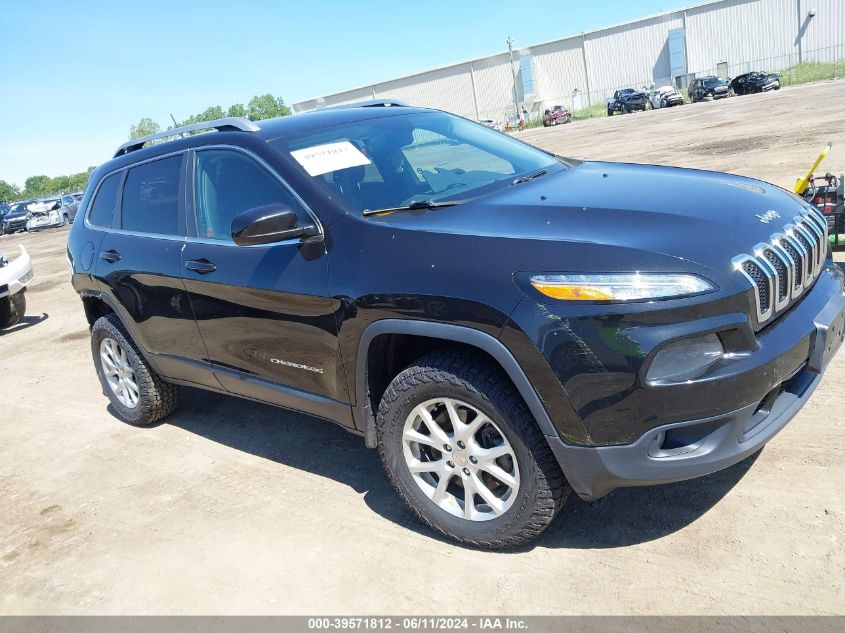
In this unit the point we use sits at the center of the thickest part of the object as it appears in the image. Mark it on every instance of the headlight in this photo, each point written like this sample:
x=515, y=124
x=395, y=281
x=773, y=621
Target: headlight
x=685, y=359
x=620, y=287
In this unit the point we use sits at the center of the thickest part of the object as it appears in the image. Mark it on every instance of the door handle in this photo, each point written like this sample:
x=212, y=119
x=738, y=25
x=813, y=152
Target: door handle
x=111, y=256
x=201, y=266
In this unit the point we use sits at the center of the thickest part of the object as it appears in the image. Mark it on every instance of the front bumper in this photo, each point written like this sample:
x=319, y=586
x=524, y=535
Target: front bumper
x=16, y=275
x=696, y=448
x=14, y=225
x=688, y=449
x=45, y=221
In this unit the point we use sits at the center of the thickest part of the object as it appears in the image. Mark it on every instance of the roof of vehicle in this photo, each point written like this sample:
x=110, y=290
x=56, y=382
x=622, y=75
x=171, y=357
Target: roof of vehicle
x=266, y=130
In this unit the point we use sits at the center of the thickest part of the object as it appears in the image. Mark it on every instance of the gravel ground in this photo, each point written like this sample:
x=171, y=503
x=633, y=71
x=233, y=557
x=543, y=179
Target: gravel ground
x=234, y=507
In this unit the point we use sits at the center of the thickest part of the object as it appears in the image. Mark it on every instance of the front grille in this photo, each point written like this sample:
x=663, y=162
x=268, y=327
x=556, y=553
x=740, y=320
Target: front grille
x=761, y=280
x=781, y=270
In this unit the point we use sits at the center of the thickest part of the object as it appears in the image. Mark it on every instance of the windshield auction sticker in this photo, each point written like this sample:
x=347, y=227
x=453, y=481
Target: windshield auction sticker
x=321, y=159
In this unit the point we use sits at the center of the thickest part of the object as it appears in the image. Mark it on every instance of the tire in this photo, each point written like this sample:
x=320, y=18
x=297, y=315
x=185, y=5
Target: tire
x=537, y=488
x=624, y=109
x=12, y=309
x=154, y=399
x=609, y=112
x=65, y=220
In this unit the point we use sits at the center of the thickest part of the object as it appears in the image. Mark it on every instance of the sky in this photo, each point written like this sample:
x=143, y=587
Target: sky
x=75, y=75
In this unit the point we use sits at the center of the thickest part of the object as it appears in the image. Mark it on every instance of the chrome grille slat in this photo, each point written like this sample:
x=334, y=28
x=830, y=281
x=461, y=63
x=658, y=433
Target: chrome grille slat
x=783, y=269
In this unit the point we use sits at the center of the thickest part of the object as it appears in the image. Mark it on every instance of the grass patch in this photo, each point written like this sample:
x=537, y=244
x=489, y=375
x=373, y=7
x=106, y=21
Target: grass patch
x=590, y=112
x=808, y=72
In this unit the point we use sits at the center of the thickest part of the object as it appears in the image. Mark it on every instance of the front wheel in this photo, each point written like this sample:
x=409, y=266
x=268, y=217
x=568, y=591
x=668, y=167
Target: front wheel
x=12, y=309
x=135, y=390
x=462, y=449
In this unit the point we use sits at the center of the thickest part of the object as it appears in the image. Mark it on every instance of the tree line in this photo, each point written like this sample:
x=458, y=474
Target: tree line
x=259, y=108
x=39, y=186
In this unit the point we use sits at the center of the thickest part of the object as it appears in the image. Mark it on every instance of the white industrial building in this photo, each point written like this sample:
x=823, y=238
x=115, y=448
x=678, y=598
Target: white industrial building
x=721, y=37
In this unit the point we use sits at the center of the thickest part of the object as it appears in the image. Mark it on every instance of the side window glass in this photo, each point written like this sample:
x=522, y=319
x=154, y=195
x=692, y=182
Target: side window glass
x=151, y=197
x=102, y=208
x=228, y=182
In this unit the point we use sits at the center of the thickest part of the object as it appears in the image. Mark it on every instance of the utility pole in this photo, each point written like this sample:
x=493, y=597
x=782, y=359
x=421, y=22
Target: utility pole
x=513, y=72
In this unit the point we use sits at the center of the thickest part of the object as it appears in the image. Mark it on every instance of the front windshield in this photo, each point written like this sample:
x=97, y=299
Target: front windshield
x=713, y=82
x=395, y=161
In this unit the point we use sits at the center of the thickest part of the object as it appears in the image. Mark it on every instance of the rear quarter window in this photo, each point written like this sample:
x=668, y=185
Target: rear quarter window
x=102, y=208
x=151, y=197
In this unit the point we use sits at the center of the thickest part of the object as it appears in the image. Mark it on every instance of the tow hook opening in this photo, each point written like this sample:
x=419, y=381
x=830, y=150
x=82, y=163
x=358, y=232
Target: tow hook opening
x=684, y=439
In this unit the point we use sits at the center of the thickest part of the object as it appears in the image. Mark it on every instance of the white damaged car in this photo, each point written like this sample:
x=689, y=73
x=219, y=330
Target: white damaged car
x=44, y=214
x=15, y=276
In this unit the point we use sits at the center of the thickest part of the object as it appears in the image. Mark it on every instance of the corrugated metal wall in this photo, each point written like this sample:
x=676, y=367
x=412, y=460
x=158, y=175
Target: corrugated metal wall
x=741, y=31
x=823, y=37
x=630, y=55
x=558, y=70
x=744, y=34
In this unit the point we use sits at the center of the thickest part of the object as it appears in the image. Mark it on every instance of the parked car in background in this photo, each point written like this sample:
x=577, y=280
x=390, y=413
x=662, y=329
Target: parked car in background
x=15, y=219
x=44, y=213
x=489, y=123
x=707, y=89
x=15, y=275
x=752, y=82
x=69, y=205
x=557, y=115
x=665, y=97
x=627, y=100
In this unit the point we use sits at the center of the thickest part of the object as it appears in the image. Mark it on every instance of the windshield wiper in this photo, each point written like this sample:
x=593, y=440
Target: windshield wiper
x=416, y=204
x=522, y=179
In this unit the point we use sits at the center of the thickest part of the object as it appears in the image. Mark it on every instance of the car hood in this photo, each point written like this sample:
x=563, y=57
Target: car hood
x=693, y=218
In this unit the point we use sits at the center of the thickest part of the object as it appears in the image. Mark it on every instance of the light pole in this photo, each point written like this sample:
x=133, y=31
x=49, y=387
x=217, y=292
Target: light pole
x=513, y=73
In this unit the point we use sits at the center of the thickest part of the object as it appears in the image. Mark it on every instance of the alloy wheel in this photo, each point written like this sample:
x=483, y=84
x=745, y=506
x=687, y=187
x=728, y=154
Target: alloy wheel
x=460, y=459
x=119, y=373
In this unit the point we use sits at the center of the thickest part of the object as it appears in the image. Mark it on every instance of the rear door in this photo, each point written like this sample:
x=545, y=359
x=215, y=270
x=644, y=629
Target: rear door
x=264, y=311
x=139, y=263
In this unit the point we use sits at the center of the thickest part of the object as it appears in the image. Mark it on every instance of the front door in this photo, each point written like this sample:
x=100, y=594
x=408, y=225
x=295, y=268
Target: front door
x=264, y=311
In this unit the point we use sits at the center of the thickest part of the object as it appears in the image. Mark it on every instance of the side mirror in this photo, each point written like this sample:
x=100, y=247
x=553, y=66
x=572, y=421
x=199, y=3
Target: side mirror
x=267, y=224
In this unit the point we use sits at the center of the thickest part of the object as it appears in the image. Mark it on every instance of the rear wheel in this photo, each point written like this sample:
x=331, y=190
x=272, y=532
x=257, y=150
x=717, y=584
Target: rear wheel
x=12, y=309
x=464, y=452
x=134, y=389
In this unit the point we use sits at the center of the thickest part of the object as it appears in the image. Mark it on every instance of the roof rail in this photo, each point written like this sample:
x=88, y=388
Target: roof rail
x=374, y=103
x=221, y=125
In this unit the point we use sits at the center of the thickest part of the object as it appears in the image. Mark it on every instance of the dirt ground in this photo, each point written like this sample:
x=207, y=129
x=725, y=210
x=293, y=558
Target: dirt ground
x=233, y=507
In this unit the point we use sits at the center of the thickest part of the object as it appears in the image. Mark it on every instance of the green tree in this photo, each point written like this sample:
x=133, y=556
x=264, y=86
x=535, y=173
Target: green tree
x=266, y=107
x=237, y=109
x=8, y=192
x=36, y=186
x=145, y=127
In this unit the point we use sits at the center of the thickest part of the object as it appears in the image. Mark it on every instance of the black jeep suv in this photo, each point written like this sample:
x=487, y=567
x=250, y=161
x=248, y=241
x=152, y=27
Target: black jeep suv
x=502, y=323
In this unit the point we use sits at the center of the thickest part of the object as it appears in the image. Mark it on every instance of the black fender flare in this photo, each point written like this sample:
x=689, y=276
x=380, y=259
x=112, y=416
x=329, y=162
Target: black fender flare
x=120, y=312
x=446, y=332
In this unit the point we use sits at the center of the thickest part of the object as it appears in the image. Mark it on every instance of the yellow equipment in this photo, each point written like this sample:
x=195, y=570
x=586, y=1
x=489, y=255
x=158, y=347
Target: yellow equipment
x=803, y=183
